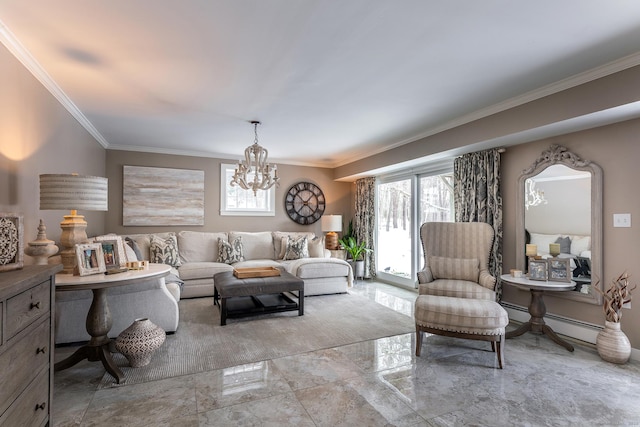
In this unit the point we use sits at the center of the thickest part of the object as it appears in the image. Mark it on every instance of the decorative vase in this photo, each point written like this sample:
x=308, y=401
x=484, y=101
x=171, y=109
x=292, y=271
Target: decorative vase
x=612, y=344
x=139, y=341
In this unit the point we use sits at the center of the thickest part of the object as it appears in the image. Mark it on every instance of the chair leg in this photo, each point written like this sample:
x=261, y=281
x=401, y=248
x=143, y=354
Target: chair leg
x=500, y=350
x=418, y=340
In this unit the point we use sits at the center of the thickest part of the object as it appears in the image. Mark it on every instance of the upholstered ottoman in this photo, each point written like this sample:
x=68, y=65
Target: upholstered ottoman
x=462, y=318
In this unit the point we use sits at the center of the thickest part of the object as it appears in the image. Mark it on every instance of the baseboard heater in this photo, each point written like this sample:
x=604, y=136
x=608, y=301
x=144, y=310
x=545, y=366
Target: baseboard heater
x=572, y=328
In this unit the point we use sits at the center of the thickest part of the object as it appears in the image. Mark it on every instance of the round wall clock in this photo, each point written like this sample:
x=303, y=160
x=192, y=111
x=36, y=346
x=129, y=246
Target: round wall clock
x=304, y=203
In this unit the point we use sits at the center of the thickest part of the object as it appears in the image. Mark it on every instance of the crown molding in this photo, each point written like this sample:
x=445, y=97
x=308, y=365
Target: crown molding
x=219, y=156
x=14, y=46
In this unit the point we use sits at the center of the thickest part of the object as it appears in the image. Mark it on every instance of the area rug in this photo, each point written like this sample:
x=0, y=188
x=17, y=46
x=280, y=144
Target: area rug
x=201, y=344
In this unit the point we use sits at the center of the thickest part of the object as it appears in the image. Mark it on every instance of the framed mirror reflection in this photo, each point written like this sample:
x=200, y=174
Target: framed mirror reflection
x=559, y=212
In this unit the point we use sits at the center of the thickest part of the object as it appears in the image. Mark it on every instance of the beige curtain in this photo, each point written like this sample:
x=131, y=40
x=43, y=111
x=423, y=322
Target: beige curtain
x=365, y=221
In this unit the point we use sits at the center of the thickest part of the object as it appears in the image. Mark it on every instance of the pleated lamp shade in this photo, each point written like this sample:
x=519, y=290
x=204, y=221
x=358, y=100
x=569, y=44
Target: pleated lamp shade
x=73, y=192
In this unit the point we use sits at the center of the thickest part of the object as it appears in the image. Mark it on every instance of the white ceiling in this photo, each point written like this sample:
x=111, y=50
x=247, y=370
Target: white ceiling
x=331, y=80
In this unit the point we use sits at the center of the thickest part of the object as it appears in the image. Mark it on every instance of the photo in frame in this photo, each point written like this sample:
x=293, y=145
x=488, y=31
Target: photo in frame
x=537, y=269
x=559, y=269
x=90, y=259
x=11, y=241
x=110, y=254
x=121, y=253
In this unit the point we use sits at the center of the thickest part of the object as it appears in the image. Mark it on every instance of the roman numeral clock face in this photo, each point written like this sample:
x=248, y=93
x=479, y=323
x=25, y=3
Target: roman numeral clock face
x=304, y=203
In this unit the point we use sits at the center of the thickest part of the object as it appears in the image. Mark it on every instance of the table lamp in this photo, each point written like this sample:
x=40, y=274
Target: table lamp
x=331, y=224
x=72, y=192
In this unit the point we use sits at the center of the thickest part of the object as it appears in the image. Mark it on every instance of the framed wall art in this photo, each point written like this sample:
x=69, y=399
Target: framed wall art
x=559, y=269
x=537, y=269
x=162, y=196
x=90, y=259
x=11, y=241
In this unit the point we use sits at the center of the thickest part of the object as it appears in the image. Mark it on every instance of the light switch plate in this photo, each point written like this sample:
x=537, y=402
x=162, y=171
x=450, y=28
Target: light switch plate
x=622, y=220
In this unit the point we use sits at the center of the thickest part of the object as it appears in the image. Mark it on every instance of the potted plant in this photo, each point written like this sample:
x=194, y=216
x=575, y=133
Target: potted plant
x=356, y=253
x=612, y=344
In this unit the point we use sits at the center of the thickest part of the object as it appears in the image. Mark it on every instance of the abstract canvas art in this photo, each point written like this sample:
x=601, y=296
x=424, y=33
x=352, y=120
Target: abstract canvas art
x=162, y=196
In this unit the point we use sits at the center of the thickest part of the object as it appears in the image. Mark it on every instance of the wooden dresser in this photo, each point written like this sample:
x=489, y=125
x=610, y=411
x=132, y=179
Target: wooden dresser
x=26, y=345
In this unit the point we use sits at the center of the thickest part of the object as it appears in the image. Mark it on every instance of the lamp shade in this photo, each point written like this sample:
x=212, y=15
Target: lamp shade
x=331, y=222
x=73, y=192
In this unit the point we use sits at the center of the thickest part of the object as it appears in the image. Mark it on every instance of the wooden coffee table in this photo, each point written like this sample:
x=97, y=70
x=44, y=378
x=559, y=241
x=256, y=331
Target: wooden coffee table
x=256, y=295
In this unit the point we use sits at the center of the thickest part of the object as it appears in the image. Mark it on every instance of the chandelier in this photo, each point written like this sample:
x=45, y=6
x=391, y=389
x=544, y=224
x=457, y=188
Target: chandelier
x=532, y=196
x=254, y=173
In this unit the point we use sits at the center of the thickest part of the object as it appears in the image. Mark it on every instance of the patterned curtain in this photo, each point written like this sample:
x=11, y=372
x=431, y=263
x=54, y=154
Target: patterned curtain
x=477, y=198
x=365, y=221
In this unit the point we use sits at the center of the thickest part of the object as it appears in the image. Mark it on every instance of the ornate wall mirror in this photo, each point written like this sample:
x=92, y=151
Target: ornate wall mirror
x=559, y=202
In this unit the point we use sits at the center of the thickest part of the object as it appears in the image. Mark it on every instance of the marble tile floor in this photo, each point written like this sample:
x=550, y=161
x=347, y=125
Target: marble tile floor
x=374, y=383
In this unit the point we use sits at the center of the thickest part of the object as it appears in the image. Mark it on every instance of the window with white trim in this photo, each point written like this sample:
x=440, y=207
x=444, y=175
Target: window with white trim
x=236, y=201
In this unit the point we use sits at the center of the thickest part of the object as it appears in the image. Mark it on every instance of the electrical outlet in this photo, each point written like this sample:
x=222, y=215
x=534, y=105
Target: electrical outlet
x=622, y=220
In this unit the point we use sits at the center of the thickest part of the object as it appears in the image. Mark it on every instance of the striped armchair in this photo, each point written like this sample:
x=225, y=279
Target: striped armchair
x=456, y=260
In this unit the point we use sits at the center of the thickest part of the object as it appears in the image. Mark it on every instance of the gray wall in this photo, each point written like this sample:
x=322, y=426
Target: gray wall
x=616, y=150
x=38, y=135
x=337, y=194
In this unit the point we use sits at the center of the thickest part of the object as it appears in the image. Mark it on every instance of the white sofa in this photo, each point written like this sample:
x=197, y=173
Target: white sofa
x=193, y=277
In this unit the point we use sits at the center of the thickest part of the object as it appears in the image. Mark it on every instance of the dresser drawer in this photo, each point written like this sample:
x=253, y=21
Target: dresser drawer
x=21, y=362
x=24, y=308
x=32, y=409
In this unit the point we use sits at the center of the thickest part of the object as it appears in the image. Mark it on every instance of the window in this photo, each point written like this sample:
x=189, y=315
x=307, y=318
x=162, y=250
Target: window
x=236, y=201
x=404, y=203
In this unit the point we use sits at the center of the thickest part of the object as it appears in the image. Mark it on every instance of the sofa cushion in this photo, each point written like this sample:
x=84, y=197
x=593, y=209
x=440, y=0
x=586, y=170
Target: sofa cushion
x=230, y=252
x=258, y=245
x=455, y=268
x=580, y=244
x=135, y=248
x=198, y=246
x=280, y=241
x=144, y=242
x=318, y=268
x=316, y=247
x=164, y=251
x=256, y=263
x=202, y=270
x=296, y=248
x=565, y=244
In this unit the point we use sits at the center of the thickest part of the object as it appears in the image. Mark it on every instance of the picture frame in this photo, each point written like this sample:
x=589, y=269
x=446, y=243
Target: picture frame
x=559, y=269
x=121, y=253
x=537, y=269
x=110, y=254
x=90, y=259
x=11, y=241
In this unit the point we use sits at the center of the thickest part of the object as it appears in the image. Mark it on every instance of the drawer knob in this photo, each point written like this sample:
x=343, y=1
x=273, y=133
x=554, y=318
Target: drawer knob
x=41, y=350
x=35, y=305
x=41, y=406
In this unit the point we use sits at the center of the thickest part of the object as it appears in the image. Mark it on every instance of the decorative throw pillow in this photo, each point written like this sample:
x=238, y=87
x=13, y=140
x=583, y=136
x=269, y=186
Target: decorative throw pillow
x=565, y=244
x=455, y=268
x=297, y=248
x=230, y=252
x=316, y=247
x=136, y=249
x=164, y=251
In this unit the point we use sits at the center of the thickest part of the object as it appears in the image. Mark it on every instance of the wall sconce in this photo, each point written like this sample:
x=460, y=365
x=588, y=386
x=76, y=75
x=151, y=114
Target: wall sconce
x=331, y=224
x=72, y=192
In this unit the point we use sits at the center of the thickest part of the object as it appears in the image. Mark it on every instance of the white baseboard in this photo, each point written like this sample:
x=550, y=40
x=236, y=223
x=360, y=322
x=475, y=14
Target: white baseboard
x=582, y=331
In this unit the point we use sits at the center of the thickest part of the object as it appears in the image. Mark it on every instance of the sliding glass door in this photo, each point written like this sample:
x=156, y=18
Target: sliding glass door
x=404, y=203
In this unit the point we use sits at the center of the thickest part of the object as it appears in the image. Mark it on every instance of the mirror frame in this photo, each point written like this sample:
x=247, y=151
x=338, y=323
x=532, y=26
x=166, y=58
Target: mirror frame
x=559, y=155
